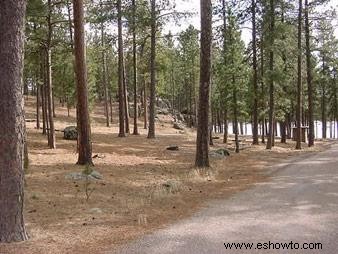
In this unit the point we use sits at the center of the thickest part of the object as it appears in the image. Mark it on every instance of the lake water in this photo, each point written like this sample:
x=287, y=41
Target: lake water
x=331, y=128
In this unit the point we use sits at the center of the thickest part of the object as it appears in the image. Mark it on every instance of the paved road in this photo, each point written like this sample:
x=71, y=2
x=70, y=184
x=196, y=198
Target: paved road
x=299, y=204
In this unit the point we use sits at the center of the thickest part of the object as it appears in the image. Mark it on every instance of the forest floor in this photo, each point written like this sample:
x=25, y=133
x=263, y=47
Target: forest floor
x=144, y=186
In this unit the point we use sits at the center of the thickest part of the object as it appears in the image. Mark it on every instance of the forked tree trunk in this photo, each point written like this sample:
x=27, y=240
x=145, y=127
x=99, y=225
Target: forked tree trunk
x=202, y=143
x=12, y=122
x=84, y=131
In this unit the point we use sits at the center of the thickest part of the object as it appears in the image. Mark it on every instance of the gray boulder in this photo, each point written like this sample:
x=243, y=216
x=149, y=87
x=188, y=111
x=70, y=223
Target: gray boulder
x=80, y=176
x=178, y=126
x=219, y=153
x=96, y=210
x=162, y=103
x=179, y=117
x=70, y=133
x=162, y=111
x=223, y=151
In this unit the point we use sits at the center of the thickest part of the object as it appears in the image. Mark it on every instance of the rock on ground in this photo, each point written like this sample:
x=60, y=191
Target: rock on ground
x=70, y=133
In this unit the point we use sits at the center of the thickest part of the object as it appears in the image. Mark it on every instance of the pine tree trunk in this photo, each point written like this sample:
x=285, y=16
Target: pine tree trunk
x=234, y=97
x=145, y=106
x=202, y=143
x=299, y=80
x=104, y=76
x=53, y=100
x=269, y=144
x=190, y=105
x=105, y=88
x=225, y=119
x=43, y=109
x=125, y=96
x=37, y=104
x=12, y=122
x=42, y=90
x=135, y=132
x=255, y=76
x=263, y=130
x=225, y=136
x=84, y=131
x=51, y=132
x=151, y=130
x=324, y=118
x=120, y=72
x=211, y=125
x=283, y=131
x=111, y=105
x=263, y=103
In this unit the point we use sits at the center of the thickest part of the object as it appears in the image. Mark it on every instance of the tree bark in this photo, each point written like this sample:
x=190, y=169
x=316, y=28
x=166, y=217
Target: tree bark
x=135, y=131
x=309, y=76
x=51, y=135
x=125, y=96
x=104, y=75
x=202, y=143
x=111, y=105
x=151, y=130
x=84, y=131
x=105, y=88
x=324, y=118
x=145, y=106
x=12, y=121
x=120, y=72
x=37, y=102
x=49, y=97
x=255, y=76
x=42, y=91
x=299, y=80
x=225, y=136
x=269, y=144
x=234, y=97
x=225, y=119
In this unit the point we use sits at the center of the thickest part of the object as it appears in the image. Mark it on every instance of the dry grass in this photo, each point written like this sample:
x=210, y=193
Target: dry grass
x=144, y=186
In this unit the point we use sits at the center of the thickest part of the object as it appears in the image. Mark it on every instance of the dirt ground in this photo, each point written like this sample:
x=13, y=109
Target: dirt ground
x=144, y=186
